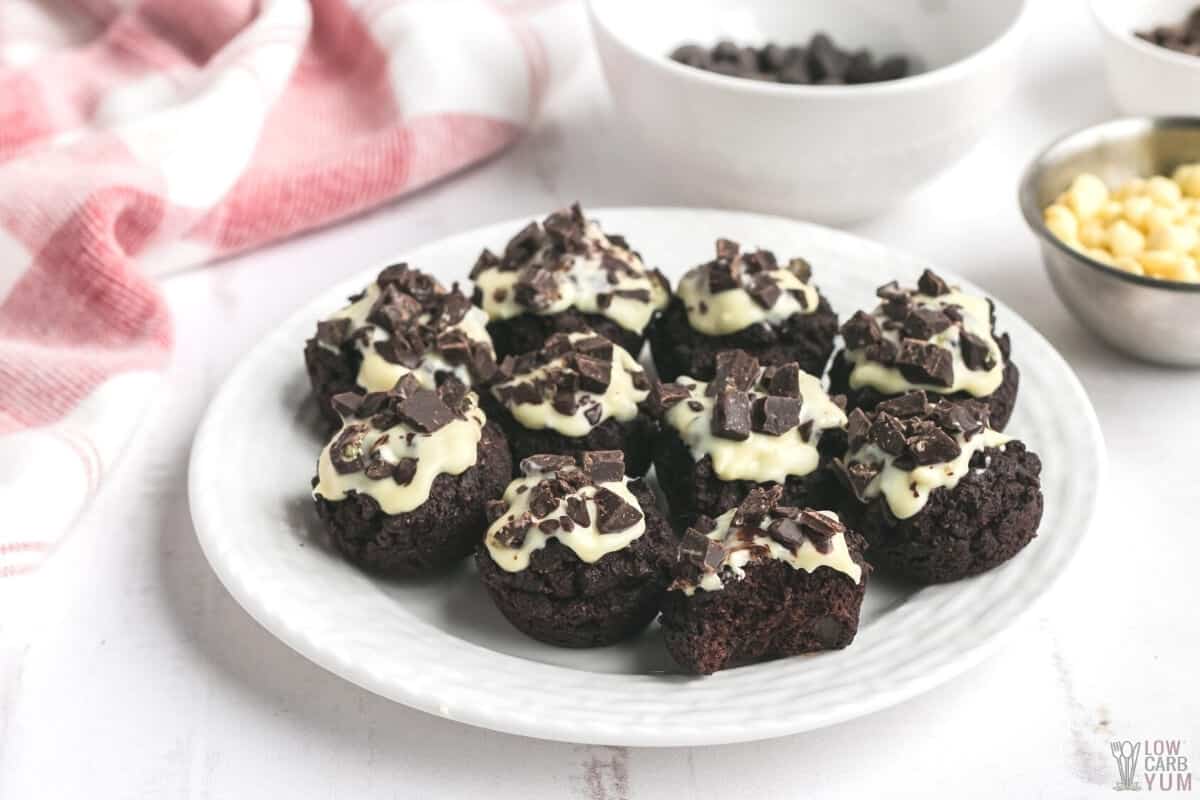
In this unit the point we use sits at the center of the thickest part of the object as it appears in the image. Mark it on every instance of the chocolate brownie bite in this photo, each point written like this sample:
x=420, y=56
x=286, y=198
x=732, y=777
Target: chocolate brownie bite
x=577, y=554
x=935, y=338
x=749, y=427
x=762, y=581
x=746, y=301
x=402, y=486
x=404, y=323
x=566, y=274
x=578, y=392
x=937, y=492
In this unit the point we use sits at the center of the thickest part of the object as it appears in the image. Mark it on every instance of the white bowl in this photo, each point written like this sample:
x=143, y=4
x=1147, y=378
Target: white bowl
x=1145, y=79
x=833, y=154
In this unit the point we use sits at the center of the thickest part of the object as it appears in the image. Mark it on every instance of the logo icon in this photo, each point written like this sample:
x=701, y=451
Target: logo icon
x=1126, y=754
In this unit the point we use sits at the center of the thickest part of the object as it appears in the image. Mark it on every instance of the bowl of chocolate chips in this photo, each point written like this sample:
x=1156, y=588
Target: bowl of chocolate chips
x=1151, y=55
x=819, y=109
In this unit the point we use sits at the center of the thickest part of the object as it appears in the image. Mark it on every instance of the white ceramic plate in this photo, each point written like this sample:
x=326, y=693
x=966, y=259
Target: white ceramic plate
x=440, y=646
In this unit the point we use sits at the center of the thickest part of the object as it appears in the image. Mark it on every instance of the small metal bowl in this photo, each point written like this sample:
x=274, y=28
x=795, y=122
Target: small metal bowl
x=1150, y=319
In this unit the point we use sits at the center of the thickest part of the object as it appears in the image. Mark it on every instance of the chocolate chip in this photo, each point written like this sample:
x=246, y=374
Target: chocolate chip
x=545, y=463
x=925, y=363
x=861, y=330
x=887, y=434
x=975, y=352
x=965, y=417
x=934, y=447
x=525, y=244
x=736, y=370
x=512, y=535
x=925, y=323
x=577, y=512
x=612, y=513
x=758, y=504
x=604, y=466
x=931, y=284
x=857, y=475
x=593, y=413
x=883, y=352
x=333, y=332
x=665, y=395
x=784, y=381
x=820, y=528
x=776, y=416
x=909, y=404
x=537, y=289
x=701, y=552
x=425, y=411
x=731, y=416
x=786, y=532
x=494, y=510
x=542, y=501
x=453, y=392
x=346, y=452
x=595, y=347
x=764, y=291
x=594, y=374
x=722, y=277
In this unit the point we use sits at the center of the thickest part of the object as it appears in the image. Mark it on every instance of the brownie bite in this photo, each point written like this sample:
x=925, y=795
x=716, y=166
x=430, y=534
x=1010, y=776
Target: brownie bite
x=566, y=274
x=935, y=338
x=402, y=486
x=764, y=580
x=749, y=427
x=746, y=301
x=404, y=323
x=937, y=492
x=578, y=392
x=577, y=554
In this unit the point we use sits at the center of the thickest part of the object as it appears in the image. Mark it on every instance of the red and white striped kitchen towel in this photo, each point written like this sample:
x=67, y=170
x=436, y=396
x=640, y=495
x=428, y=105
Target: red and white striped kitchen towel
x=142, y=136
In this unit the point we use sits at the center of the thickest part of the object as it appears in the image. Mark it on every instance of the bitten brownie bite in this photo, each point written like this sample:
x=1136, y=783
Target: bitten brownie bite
x=566, y=274
x=937, y=493
x=402, y=487
x=403, y=323
x=746, y=301
x=935, y=338
x=749, y=427
x=577, y=554
x=578, y=392
x=762, y=581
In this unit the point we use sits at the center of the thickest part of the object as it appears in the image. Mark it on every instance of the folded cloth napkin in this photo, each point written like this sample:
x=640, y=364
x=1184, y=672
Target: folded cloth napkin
x=141, y=136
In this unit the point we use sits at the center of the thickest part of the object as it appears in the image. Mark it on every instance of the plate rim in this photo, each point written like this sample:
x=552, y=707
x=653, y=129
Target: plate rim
x=262, y=610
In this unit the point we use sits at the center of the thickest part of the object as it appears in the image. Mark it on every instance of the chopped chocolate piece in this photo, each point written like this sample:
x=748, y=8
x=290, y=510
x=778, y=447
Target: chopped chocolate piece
x=556, y=345
x=925, y=323
x=820, y=529
x=962, y=417
x=524, y=393
x=785, y=381
x=346, y=452
x=523, y=246
x=891, y=291
x=805, y=430
x=545, y=463
x=953, y=312
x=548, y=526
x=736, y=370
x=758, y=504
x=487, y=260
x=566, y=524
x=776, y=416
x=566, y=403
x=975, y=352
x=857, y=475
x=333, y=332
x=861, y=330
x=577, y=512
x=887, y=434
x=764, y=291
x=542, y=501
x=639, y=380
x=346, y=404
x=512, y=535
x=425, y=411
x=596, y=347
x=665, y=395
x=536, y=290
x=883, y=352
x=858, y=425
x=454, y=346
x=494, y=510
x=731, y=416
x=404, y=471
x=786, y=532
x=727, y=250
x=604, y=301
x=931, y=284
x=604, y=466
x=791, y=512
x=373, y=401
x=613, y=514
x=896, y=310
x=925, y=363
x=722, y=277
x=800, y=268
x=934, y=447
x=593, y=413
x=594, y=374
x=453, y=392
x=640, y=295
x=399, y=350
x=909, y=404
x=701, y=552
x=377, y=468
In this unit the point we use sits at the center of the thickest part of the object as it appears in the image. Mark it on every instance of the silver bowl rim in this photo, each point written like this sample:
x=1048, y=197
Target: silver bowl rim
x=1032, y=211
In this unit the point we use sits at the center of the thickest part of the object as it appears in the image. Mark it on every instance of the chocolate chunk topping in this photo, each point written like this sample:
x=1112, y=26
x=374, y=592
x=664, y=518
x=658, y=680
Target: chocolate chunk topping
x=820, y=529
x=593, y=413
x=612, y=513
x=757, y=505
x=333, y=332
x=934, y=447
x=924, y=323
x=701, y=552
x=665, y=395
x=887, y=434
x=346, y=453
x=786, y=532
x=723, y=277
x=512, y=535
x=883, y=352
x=966, y=417
x=577, y=512
x=404, y=471
x=727, y=250
x=731, y=416
x=861, y=330
x=909, y=404
x=856, y=475
x=594, y=374
x=776, y=416
x=545, y=463
x=346, y=404
x=858, y=425
x=542, y=501
x=536, y=289
x=925, y=363
x=764, y=291
x=800, y=268
x=975, y=352
x=549, y=526
x=377, y=468
x=736, y=370
x=930, y=283
x=424, y=411
x=785, y=381
x=596, y=347
x=604, y=466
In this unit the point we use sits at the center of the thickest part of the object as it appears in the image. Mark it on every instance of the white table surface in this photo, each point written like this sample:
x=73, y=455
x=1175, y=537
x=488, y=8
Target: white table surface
x=145, y=679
